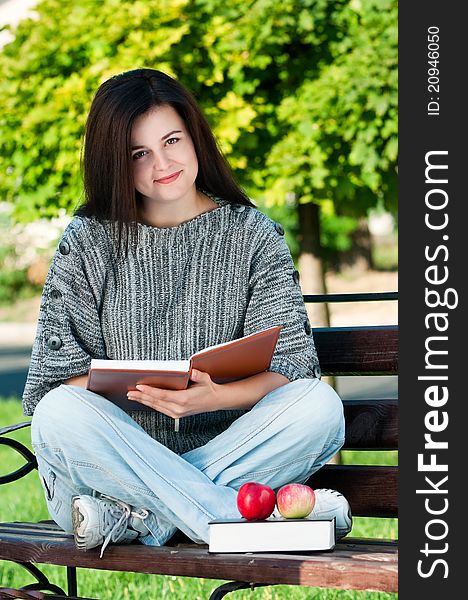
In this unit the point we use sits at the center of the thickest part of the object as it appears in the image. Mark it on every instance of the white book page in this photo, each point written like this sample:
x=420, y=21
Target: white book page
x=141, y=365
x=231, y=341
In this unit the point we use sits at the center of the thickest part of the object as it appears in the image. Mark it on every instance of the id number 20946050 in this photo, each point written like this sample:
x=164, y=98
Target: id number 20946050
x=433, y=87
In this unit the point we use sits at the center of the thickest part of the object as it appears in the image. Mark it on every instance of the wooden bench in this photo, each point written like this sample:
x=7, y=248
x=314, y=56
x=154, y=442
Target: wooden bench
x=359, y=564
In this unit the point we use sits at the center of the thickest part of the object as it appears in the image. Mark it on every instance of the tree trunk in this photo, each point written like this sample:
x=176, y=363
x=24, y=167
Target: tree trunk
x=312, y=273
x=311, y=268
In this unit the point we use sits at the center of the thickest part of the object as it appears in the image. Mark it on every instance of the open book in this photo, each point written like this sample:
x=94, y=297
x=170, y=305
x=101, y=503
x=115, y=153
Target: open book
x=272, y=535
x=225, y=362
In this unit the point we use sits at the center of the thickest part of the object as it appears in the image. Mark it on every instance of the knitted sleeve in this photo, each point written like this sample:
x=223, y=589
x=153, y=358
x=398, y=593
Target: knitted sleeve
x=276, y=299
x=69, y=330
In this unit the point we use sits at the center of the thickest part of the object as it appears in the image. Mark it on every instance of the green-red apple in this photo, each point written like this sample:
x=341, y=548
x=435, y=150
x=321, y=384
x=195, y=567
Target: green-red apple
x=295, y=500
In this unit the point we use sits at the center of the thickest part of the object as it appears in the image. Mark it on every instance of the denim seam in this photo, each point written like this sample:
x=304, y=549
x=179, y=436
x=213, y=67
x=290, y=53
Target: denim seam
x=45, y=445
x=110, y=475
x=253, y=434
x=150, y=467
x=279, y=467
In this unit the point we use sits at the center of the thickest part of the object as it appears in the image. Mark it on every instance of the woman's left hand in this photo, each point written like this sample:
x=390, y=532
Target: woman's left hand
x=202, y=396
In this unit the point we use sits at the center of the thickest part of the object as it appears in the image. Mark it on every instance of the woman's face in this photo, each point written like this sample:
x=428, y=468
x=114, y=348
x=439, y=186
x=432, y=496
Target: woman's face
x=165, y=164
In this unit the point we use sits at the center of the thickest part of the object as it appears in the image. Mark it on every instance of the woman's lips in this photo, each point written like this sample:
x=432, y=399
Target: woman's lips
x=169, y=178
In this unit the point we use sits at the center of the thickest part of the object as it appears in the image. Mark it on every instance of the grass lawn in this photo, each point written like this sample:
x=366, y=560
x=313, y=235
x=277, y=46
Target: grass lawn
x=23, y=501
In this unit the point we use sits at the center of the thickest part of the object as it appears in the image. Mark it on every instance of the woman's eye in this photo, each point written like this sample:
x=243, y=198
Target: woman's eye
x=139, y=154
x=172, y=140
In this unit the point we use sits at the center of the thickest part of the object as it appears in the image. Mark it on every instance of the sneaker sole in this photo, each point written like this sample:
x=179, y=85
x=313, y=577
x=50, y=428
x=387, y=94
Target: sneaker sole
x=77, y=519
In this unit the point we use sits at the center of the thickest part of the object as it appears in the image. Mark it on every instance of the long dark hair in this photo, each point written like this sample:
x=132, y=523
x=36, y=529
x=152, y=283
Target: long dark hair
x=110, y=193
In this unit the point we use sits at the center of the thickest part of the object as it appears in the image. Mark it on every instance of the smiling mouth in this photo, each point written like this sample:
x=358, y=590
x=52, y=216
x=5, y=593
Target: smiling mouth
x=169, y=178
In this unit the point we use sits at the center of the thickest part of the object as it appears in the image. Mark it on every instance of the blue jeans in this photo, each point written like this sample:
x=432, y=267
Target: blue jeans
x=86, y=445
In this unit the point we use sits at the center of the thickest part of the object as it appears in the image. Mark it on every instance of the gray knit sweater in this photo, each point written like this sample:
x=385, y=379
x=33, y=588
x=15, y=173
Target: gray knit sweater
x=222, y=275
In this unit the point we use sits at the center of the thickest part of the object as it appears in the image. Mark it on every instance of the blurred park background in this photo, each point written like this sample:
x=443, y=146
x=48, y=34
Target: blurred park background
x=301, y=94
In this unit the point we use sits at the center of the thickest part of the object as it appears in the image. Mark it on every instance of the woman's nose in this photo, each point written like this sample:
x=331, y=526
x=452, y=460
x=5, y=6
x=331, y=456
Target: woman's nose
x=160, y=161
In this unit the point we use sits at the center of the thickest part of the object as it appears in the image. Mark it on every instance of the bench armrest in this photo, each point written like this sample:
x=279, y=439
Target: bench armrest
x=31, y=462
x=15, y=427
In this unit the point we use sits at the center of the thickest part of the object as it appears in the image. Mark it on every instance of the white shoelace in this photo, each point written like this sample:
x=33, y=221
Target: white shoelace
x=334, y=492
x=112, y=530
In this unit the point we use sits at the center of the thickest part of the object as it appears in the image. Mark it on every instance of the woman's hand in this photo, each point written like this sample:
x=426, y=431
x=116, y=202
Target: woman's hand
x=203, y=396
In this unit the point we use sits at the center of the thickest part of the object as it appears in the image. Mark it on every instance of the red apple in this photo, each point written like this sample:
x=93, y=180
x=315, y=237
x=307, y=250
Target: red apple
x=295, y=501
x=255, y=501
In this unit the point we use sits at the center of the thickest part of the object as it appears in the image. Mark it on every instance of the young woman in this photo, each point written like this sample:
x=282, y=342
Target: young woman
x=166, y=257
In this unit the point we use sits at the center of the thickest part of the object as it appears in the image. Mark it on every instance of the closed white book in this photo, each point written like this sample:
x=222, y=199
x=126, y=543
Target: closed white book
x=272, y=535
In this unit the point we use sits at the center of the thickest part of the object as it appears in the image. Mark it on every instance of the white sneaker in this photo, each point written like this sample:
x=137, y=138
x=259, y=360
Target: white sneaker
x=329, y=504
x=103, y=519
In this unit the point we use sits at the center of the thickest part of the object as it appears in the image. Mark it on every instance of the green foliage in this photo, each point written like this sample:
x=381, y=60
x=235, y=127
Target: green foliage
x=15, y=285
x=301, y=93
x=335, y=230
x=341, y=142
x=14, y=282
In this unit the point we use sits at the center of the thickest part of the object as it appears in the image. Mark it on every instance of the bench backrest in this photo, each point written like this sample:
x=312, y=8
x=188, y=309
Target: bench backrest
x=370, y=424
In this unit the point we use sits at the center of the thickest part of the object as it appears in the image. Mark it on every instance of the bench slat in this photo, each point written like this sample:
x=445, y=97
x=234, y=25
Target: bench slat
x=361, y=566
x=371, y=424
x=372, y=491
x=357, y=350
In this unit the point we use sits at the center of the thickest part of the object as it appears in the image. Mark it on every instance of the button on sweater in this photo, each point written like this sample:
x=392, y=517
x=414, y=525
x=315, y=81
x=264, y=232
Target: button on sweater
x=217, y=277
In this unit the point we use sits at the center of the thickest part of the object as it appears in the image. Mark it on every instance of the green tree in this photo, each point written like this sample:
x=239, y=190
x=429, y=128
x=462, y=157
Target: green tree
x=316, y=85
x=301, y=94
